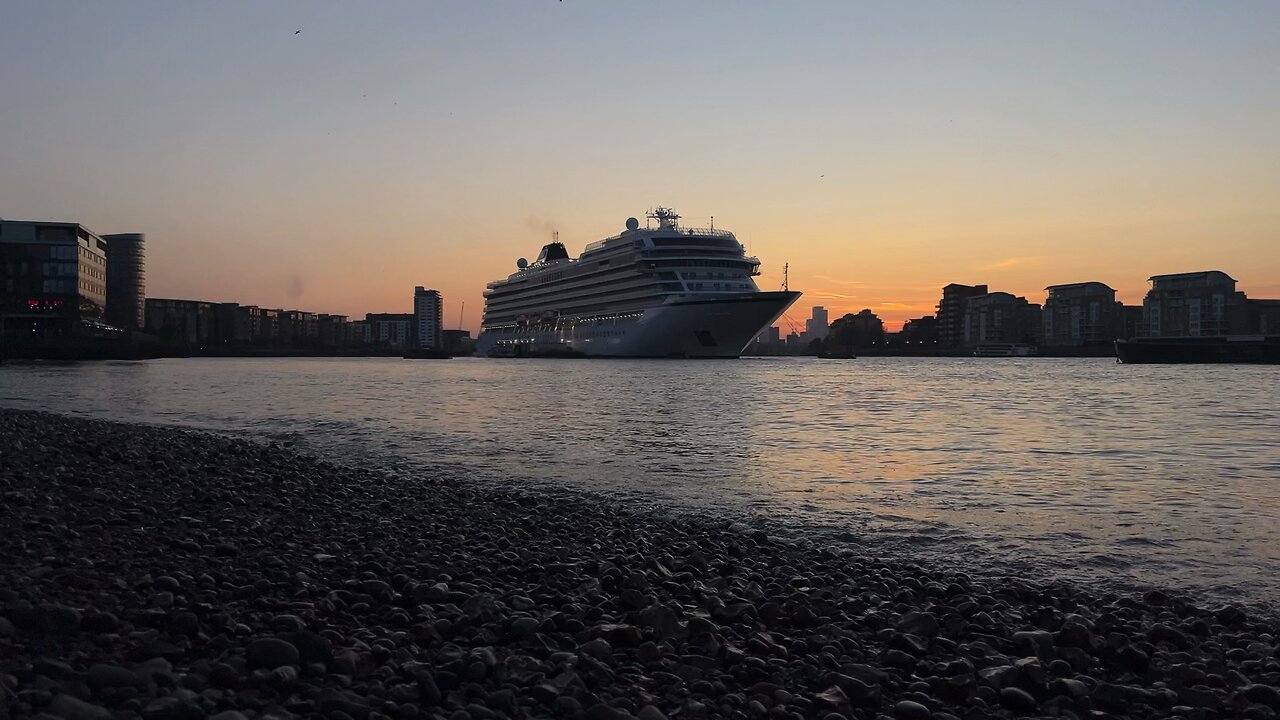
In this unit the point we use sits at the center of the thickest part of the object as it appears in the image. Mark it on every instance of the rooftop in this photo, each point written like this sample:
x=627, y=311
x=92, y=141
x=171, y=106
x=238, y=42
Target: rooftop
x=1190, y=275
x=1073, y=286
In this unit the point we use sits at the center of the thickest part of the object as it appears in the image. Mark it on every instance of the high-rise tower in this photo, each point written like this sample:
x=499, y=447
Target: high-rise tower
x=428, y=318
x=126, y=280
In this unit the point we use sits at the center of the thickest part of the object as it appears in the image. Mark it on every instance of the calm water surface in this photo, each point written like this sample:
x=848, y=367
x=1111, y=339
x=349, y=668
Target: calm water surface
x=1121, y=474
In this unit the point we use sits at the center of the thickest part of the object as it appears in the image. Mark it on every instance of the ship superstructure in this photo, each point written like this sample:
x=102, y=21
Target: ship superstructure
x=656, y=291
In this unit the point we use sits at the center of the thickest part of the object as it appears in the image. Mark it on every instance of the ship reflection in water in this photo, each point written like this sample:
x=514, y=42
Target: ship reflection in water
x=1043, y=466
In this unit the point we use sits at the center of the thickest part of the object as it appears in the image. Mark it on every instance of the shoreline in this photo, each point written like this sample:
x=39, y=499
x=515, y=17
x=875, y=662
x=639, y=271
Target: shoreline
x=162, y=572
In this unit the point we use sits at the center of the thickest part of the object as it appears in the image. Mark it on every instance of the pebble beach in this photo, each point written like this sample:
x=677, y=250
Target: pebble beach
x=165, y=573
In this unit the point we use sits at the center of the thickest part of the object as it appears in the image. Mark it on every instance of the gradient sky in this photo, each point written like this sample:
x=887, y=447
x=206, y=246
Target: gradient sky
x=883, y=150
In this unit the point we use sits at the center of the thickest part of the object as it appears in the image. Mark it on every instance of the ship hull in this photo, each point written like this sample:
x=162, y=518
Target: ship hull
x=691, y=327
x=1251, y=349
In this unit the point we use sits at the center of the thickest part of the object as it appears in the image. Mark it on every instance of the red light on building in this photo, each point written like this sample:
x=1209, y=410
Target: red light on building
x=38, y=304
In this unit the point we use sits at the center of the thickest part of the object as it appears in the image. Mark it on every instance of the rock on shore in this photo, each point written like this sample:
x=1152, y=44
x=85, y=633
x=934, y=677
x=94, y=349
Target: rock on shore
x=171, y=574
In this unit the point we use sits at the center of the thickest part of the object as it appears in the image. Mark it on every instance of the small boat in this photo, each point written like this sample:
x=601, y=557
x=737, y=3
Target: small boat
x=1005, y=350
x=1253, y=349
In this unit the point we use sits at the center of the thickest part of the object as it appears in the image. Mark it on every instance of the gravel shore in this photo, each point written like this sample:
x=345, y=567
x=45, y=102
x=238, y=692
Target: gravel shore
x=166, y=573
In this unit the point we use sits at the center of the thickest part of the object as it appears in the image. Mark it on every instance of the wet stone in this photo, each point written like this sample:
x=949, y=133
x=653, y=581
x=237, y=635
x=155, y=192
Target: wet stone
x=1018, y=700
x=911, y=710
x=103, y=675
x=921, y=624
x=1263, y=695
x=271, y=653
x=59, y=620
x=71, y=708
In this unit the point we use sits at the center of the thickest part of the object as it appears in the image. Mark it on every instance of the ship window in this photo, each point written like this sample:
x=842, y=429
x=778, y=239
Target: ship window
x=696, y=242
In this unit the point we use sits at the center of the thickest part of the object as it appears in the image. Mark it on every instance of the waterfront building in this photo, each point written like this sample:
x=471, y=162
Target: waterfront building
x=817, y=326
x=951, y=310
x=428, y=319
x=197, y=324
x=233, y=324
x=334, y=330
x=53, y=278
x=298, y=327
x=999, y=317
x=393, y=329
x=1084, y=313
x=268, y=325
x=1132, y=318
x=358, y=330
x=855, y=330
x=458, y=341
x=190, y=323
x=1264, y=316
x=126, y=280
x=1194, y=304
x=259, y=326
x=920, y=331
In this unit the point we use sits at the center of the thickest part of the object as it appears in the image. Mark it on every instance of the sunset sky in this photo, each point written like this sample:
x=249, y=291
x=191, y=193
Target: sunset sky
x=882, y=150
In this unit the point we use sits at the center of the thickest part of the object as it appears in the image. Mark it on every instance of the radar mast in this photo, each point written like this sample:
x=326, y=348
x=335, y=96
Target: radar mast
x=666, y=218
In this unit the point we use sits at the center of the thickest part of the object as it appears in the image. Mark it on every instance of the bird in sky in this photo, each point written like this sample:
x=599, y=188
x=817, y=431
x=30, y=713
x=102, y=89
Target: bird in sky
x=297, y=32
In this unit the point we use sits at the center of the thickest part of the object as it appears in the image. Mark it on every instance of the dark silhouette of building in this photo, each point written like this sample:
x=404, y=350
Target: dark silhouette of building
x=298, y=327
x=1194, y=304
x=817, y=326
x=920, y=331
x=951, y=311
x=458, y=342
x=999, y=317
x=1132, y=315
x=428, y=319
x=1264, y=316
x=126, y=280
x=233, y=324
x=855, y=330
x=391, y=329
x=190, y=324
x=53, y=278
x=196, y=325
x=1079, y=314
x=335, y=331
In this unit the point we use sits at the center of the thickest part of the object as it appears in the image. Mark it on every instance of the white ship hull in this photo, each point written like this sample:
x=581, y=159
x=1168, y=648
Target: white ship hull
x=718, y=326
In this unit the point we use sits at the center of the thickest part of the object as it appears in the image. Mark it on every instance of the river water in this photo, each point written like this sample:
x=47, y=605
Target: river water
x=1083, y=469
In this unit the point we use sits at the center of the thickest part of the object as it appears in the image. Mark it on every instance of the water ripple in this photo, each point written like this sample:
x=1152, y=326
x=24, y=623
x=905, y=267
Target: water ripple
x=1149, y=474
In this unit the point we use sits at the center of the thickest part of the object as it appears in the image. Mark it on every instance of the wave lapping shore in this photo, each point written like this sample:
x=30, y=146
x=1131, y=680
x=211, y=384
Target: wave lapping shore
x=166, y=573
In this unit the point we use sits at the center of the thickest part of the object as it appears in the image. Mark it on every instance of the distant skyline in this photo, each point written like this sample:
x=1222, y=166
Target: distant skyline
x=882, y=151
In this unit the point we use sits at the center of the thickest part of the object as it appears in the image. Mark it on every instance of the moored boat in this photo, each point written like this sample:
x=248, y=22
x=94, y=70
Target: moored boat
x=1005, y=350
x=1253, y=349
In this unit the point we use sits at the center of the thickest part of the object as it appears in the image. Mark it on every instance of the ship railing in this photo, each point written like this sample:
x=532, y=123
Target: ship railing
x=680, y=230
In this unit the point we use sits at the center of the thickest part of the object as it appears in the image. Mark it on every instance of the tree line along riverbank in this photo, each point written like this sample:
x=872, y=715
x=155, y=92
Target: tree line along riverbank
x=166, y=573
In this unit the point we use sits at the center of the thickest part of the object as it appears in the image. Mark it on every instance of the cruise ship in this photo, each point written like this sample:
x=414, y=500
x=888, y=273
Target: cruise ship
x=656, y=291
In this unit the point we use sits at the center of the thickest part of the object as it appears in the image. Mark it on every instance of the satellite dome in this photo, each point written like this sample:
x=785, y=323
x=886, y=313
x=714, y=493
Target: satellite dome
x=522, y=263
x=632, y=223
